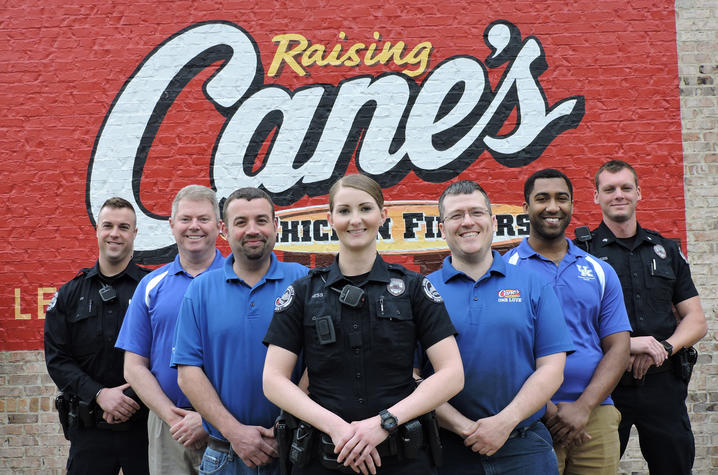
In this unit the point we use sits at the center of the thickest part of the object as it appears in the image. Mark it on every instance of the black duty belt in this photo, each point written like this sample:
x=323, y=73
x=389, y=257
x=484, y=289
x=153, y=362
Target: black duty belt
x=219, y=445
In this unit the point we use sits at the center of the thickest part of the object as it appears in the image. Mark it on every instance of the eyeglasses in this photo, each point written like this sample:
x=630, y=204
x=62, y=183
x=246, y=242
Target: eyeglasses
x=474, y=215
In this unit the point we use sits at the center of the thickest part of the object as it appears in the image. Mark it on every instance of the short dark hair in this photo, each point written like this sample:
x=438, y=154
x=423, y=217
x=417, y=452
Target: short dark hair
x=248, y=193
x=545, y=173
x=615, y=166
x=463, y=187
x=117, y=203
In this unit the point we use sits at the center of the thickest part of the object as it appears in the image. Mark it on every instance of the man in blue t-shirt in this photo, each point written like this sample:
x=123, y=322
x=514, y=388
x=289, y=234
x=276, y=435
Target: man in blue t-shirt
x=513, y=341
x=177, y=438
x=218, y=348
x=582, y=420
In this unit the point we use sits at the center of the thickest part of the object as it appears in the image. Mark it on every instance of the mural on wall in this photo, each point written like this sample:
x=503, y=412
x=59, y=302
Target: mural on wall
x=414, y=94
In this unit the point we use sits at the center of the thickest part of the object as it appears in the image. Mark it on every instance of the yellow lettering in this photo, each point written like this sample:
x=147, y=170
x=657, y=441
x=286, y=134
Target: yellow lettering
x=313, y=55
x=420, y=54
x=388, y=51
x=282, y=55
x=352, y=53
x=18, y=314
x=42, y=300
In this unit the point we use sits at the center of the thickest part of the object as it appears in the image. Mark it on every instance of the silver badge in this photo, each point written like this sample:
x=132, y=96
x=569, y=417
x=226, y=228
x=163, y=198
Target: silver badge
x=660, y=251
x=285, y=300
x=431, y=292
x=396, y=287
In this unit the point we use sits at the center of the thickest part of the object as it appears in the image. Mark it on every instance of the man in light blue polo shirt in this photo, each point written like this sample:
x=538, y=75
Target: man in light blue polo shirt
x=513, y=341
x=583, y=421
x=176, y=436
x=218, y=346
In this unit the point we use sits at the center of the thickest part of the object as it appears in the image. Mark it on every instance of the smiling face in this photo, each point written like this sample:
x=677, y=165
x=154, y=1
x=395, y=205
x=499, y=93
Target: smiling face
x=356, y=218
x=116, y=232
x=618, y=195
x=251, y=230
x=195, y=226
x=468, y=226
x=549, y=208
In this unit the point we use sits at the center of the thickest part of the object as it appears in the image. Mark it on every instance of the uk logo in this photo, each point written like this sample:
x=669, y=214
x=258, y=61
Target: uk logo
x=585, y=272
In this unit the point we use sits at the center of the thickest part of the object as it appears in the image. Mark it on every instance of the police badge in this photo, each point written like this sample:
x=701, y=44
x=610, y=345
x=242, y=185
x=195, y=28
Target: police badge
x=660, y=251
x=396, y=287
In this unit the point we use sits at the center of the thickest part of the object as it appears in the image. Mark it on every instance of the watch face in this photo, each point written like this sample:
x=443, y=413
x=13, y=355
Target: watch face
x=388, y=421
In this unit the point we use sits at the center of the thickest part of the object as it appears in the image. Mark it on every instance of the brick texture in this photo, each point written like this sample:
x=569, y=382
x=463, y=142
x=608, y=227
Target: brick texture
x=57, y=124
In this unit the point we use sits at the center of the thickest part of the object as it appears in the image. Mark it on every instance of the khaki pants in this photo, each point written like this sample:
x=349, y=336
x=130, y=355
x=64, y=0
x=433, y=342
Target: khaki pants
x=166, y=455
x=600, y=454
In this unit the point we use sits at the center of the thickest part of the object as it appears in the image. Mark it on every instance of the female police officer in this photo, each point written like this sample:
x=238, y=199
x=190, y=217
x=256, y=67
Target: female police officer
x=358, y=322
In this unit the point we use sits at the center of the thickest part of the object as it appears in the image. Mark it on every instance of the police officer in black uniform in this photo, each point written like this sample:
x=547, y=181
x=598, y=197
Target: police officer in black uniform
x=105, y=425
x=358, y=322
x=656, y=280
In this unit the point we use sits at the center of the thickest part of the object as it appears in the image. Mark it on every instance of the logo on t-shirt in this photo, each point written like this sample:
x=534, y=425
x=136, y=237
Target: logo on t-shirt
x=509, y=295
x=585, y=272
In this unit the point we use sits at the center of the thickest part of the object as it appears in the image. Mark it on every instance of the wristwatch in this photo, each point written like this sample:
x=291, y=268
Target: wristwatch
x=389, y=421
x=668, y=347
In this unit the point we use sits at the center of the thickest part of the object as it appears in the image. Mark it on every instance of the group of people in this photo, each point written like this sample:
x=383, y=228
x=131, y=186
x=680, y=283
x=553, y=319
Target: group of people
x=536, y=362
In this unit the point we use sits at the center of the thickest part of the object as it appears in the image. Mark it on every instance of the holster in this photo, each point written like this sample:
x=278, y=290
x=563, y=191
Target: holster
x=62, y=404
x=686, y=359
x=284, y=427
x=431, y=432
x=327, y=457
x=300, y=451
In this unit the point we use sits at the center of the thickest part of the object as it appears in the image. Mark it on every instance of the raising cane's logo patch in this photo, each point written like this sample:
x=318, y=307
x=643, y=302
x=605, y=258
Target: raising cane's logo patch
x=509, y=295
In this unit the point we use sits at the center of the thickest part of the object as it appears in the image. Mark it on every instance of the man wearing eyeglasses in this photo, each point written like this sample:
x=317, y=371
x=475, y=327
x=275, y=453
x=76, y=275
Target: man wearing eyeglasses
x=101, y=416
x=513, y=341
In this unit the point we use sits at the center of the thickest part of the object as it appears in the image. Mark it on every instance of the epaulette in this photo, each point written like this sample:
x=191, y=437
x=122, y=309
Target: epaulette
x=82, y=272
x=397, y=267
x=651, y=231
x=318, y=270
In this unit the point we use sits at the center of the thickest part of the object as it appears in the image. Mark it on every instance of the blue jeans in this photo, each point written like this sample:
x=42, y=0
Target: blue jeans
x=530, y=453
x=215, y=462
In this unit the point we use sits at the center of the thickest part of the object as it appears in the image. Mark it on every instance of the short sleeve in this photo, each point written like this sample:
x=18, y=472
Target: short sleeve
x=286, y=328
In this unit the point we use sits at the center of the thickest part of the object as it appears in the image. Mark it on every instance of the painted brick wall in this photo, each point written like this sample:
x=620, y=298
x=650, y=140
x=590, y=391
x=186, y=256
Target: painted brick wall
x=31, y=438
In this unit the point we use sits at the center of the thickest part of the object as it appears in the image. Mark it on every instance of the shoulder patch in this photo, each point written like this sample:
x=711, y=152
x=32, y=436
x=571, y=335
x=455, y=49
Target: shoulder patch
x=281, y=303
x=52, y=303
x=430, y=291
x=680, y=251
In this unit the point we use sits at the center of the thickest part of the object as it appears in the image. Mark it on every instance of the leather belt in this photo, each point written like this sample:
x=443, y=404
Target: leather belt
x=522, y=430
x=219, y=445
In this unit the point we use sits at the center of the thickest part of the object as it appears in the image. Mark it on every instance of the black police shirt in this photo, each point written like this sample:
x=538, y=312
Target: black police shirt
x=81, y=327
x=359, y=358
x=654, y=276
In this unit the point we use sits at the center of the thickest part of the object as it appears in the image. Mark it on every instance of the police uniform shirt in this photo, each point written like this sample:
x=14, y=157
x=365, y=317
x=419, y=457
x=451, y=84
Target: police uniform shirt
x=654, y=276
x=367, y=366
x=81, y=329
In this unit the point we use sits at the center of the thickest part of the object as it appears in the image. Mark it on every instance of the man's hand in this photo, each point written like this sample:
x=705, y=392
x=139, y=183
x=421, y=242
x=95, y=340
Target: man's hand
x=116, y=406
x=255, y=445
x=188, y=431
x=639, y=365
x=649, y=346
x=567, y=423
x=487, y=435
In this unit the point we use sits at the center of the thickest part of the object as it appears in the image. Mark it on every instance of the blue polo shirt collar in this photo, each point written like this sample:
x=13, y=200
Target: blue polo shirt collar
x=525, y=251
x=498, y=266
x=175, y=267
x=273, y=273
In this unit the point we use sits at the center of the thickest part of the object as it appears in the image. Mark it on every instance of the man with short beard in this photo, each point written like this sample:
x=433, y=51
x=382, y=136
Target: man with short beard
x=581, y=417
x=657, y=279
x=218, y=348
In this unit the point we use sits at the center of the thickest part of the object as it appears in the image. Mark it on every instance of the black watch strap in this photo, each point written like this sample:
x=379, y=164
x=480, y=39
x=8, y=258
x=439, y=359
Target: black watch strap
x=668, y=347
x=389, y=422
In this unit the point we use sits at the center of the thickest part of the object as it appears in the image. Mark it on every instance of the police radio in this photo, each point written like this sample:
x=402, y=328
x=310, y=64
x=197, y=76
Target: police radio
x=583, y=236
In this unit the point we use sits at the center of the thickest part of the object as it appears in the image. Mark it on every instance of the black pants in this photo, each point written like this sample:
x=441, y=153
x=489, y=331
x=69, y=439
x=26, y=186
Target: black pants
x=390, y=465
x=104, y=452
x=658, y=410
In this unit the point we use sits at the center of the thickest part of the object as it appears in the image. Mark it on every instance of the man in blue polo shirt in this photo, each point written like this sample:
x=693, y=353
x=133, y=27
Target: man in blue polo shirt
x=583, y=421
x=218, y=339
x=176, y=436
x=513, y=341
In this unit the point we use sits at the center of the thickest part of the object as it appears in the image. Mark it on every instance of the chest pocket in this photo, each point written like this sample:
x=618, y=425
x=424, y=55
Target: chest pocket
x=394, y=329
x=661, y=279
x=321, y=357
x=85, y=327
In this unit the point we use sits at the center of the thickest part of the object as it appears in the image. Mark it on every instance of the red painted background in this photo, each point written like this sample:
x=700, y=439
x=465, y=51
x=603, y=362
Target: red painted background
x=61, y=67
